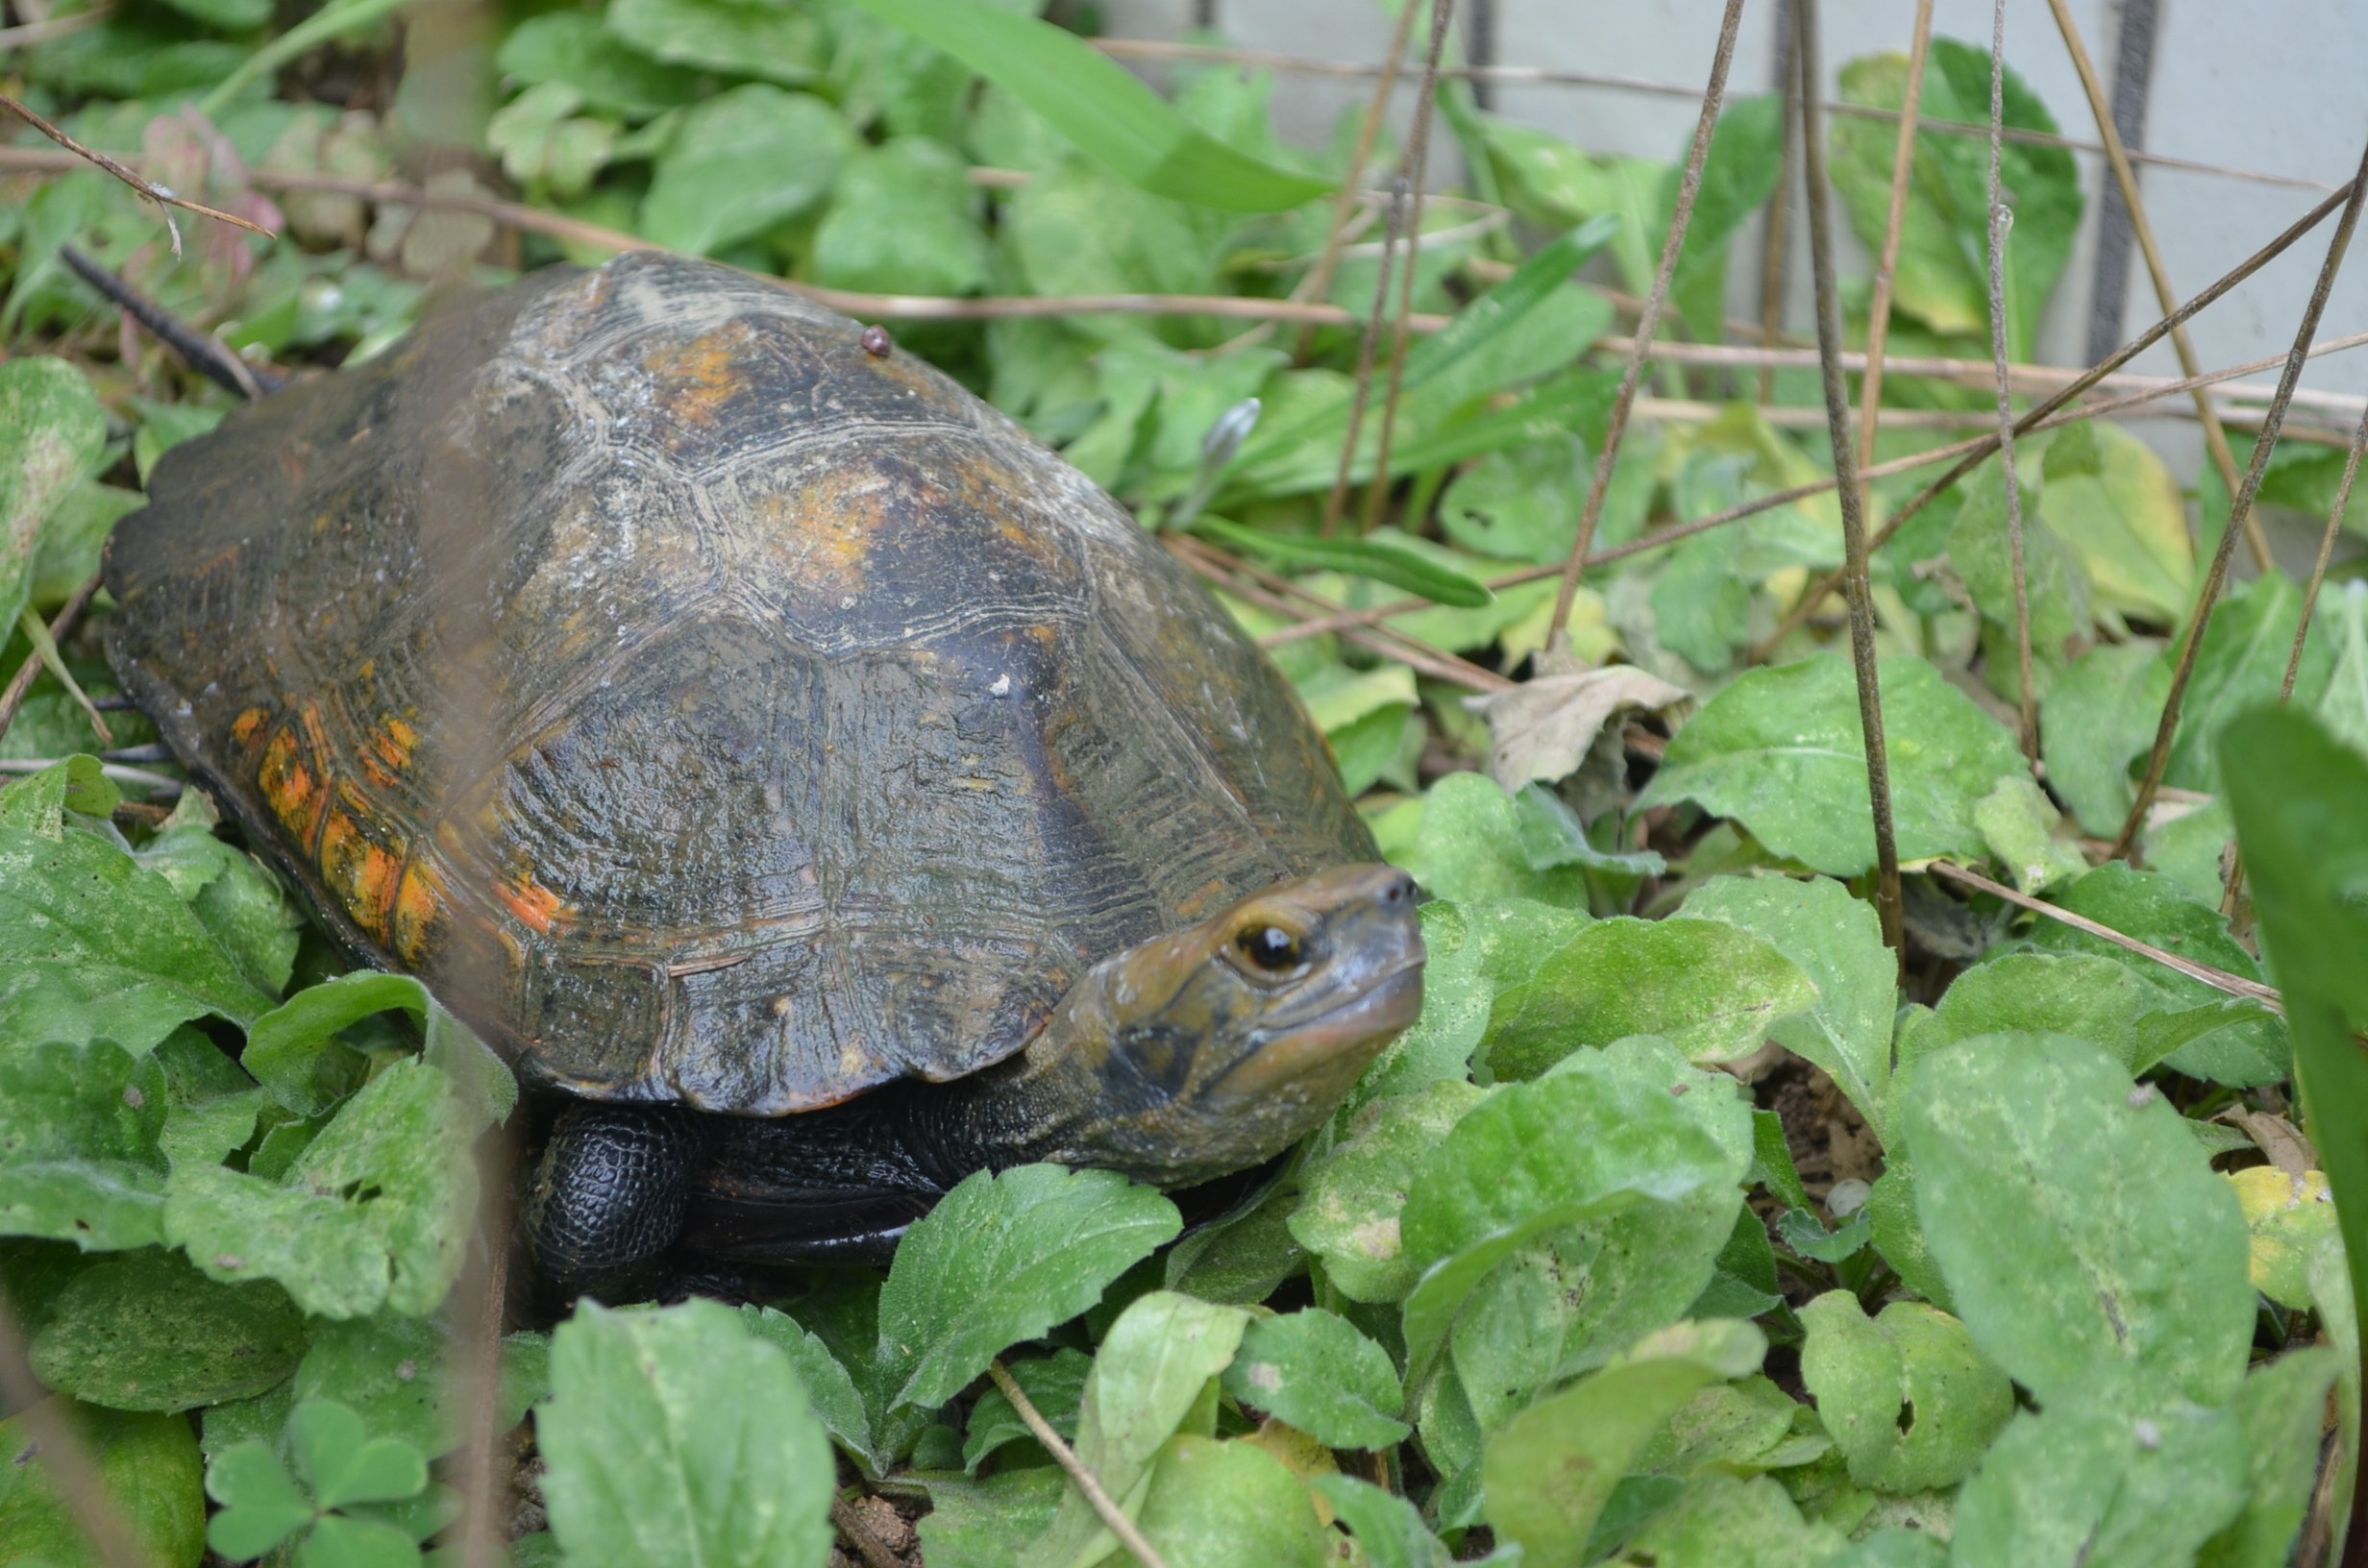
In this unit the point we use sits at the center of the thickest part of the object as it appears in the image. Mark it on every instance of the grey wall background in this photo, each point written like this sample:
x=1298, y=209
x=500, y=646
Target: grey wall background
x=2276, y=86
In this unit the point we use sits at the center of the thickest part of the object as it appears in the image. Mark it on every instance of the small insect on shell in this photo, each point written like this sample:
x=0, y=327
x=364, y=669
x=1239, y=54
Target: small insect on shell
x=877, y=342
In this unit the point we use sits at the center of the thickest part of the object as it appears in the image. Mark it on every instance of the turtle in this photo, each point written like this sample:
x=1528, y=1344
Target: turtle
x=812, y=785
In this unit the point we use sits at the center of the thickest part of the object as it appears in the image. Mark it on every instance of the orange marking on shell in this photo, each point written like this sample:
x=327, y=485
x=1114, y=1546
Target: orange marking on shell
x=244, y=727
x=359, y=872
x=696, y=378
x=822, y=532
x=419, y=900
x=286, y=780
x=533, y=903
x=388, y=751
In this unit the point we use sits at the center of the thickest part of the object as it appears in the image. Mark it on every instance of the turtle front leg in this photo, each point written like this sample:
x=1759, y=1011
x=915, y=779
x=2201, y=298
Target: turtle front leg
x=608, y=1199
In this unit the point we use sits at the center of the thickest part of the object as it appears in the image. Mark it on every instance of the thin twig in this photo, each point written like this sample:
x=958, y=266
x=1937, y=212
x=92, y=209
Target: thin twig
x=1906, y=463
x=58, y=1446
x=1418, y=168
x=1123, y=1528
x=484, y=1470
x=2234, y=985
x=146, y=187
x=1690, y=185
x=1319, y=281
x=1160, y=49
x=1894, y=224
x=1848, y=491
x=1816, y=596
x=1776, y=241
x=2240, y=507
x=850, y=1525
x=116, y=771
x=1367, y=344
x=60, y=626
x=24, y=35
x=2215, y=438
x=2001, y=225
x=2327, y=549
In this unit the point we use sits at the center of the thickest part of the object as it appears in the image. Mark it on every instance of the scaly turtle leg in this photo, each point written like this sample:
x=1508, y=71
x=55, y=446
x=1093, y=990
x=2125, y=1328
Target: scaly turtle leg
x=608, y=1199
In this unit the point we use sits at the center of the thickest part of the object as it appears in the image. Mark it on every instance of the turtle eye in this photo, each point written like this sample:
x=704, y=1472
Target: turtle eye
x=1268, y=947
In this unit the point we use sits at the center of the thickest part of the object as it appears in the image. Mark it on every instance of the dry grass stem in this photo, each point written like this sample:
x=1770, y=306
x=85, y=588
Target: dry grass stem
x=2191, y=644
x=147, y=187
x=1109, y=1512
x=477, y=1350
x=2327, y=550
x=60, y=626
x=1309, y=65
x=2234, y=985
x=24, y=35
x=2215, y=438
x=857, y=1533
x=57, y=1445
x=1848, y=490
x=1367, y=342
x=1776, y=239
x=1690, y=185
x=1419, y=169
x=1894, y=223
x=1319, y=280
x=2031, y=420
x=2001, y=225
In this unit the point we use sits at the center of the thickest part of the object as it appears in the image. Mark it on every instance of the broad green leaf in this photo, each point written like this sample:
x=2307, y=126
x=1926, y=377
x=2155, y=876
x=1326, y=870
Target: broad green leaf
x=2279, y=1408
x=148, y=1466
x=2198, y=1030
x=1078, y=228
x=1907, y=1397
x=1375, y=558
x=1724, y=1521
x=2054, y=589
x=2083, y=1237
x=2295, y=793
x=50, y=434
x=2112, y=503
x=2069, y=993
x=94, y=944
x=1240, y=1259
x=1745, y=158
x=1837, y=942
x=1714, y=990
x=1151, y=1374
x=1217, y=1505
x=2020, y=825
x=1389, y=1528
x=148, y=1332
x=1316, y=1372
x=1055, y=1385
x=828, y=1385
x=1567, y=1299
x=78, y=1145
x=2289, y=1220
x=261, y=1504
x=1106, y=113
x=1782, y=752
x=572, y=49
x=739, y=162
x=1748, y=1426
x=734, y=37
x=2242, y=665
x=2089, y=1484
x=1531, y=1158
x=992, y=1523
x=375, y=1212
x=1001, y=1259
x=2343, y=616
x=543, y=142
x=904, y=220
x=2098, y=718
x=1469, y=848
x=229, y=891
x=1355, y=1196
x=37, y=802
x=677, y=1436
x=343, y=1464
x=400, y=1376
x=1548, y=1474
x=1522, y=503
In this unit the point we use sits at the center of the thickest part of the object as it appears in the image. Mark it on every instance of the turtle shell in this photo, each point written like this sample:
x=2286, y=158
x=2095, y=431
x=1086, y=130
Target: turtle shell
x=711, y=708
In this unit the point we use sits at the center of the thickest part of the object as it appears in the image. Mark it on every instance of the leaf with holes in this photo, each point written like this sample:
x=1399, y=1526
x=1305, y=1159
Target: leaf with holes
x=1907, y=1396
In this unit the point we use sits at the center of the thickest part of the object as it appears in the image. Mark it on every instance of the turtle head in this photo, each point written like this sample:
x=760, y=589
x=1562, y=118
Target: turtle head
x=1216, y=1046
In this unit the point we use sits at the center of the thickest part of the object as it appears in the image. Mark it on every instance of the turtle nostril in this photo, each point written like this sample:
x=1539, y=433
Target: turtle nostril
x=1400, y=891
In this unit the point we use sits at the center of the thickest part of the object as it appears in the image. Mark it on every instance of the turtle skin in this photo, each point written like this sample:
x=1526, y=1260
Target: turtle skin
x=716, y=713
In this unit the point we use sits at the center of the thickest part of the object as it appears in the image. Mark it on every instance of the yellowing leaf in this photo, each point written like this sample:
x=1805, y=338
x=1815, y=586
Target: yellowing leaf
x=2288, y=1221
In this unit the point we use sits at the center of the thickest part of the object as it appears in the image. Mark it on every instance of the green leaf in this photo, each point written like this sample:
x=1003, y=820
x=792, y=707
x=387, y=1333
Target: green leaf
x=2072, y=994
x=739, y=162
x=904, y=220
x=1745, y=158
x=992, y=1523
x=78, y=1145
x=729, y=36
x=1523, y=503
x=1077, y=229
x=1470, y=848
x=341, y=1464
x=2242, y=665
x=147, y=1466
x=1001, y=1259
x=542, y=142
x=1315, y=1371
x=1055, y=1385
x=229, y=891
x=2279, y=1408
x=2055, y=591
x=1906, y=1395
x=828, y=1385
x=1714, y=991
x=92, y=944
x=375, y=1212
x=1534, y=1158
x=50, y=434
x=2295, y=793
x=37, y=802
x=399, y=1374
x=676, y=1435
x=261, y=1504
x=2083, y=1236
x=149, y=1333
x=1389, y=1528
x=1548, y=1474
x=1106, y=113
x=2104, y=1485
x=1724, y=1521
x=572, y=49
x=1375, y=558
x=1748, y=1426
x=1355, y=1195
x=1782, y=752
x=338, y=1541
x=1837, y=942
x=1153, y=1372
x=2110, y=502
